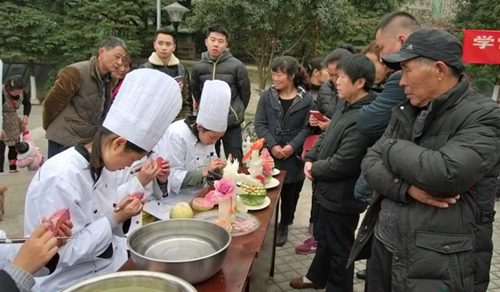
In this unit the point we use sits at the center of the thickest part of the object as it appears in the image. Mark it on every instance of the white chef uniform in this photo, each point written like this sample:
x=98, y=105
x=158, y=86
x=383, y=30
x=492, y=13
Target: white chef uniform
x=146, y=104
x=182, y=148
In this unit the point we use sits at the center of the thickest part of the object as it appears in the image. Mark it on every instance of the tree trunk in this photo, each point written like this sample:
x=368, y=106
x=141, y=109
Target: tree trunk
x=31, y=66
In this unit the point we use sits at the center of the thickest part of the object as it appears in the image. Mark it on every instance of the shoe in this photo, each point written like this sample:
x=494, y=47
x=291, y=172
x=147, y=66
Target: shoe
x=282, y=236
x=298, y=283
x=307, y=246
x=361, y=275
x=13, y=171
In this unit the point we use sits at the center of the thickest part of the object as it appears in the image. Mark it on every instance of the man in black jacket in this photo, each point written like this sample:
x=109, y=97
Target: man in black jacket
x=163, y=59
x=333, y=164
x=218, y=63
x=436, y=172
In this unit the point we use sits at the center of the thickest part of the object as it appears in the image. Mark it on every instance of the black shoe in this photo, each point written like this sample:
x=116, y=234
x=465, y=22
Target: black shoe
x=361, y=275
x=282, y=235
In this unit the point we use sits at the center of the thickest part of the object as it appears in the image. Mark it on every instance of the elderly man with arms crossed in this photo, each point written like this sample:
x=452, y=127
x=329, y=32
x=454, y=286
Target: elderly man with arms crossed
x=435, y=171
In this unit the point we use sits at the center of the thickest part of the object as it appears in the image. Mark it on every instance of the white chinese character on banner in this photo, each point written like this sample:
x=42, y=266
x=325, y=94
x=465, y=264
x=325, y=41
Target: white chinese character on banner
x=484, y=41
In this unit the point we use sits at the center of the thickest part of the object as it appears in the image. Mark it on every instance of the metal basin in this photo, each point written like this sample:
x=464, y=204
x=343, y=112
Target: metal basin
x=133, y=281
x=193, y=250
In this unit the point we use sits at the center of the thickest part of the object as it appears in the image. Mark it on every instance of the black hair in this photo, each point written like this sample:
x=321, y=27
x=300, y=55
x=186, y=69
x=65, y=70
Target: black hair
x=290, y=66
x=335, y=56
x=13, y=82
x=218, y=28
x=314, y=64
x=112, y=42
x=349, y=47
x=166, y=30
x=358, y=66
x=97, y=143
x=22, y=147
x=402, y=20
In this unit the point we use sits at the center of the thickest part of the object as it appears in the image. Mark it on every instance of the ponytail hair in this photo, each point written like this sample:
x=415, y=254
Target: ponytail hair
x=290, y=66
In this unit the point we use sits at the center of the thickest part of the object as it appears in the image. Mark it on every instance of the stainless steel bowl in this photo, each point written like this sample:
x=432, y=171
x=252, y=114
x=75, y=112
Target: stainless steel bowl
x=143, y=281
x=193, y=250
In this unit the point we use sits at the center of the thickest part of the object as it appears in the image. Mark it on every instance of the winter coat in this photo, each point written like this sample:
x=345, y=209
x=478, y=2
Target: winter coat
x=336, y=160
x=77, y=103
x=11, y=121
x=374, y=118
x=327, y=99
x=279, y=128
x=231, y=70
x=457, y=153
x=32, y=158
x=175, y=69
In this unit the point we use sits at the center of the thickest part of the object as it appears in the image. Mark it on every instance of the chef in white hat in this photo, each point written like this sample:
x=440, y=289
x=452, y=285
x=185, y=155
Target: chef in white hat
x=189, y=146
x=80, y=178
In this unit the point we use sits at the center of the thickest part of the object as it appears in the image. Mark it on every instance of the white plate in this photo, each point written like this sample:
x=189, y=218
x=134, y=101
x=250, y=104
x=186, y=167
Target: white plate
x=264, y=204
x=276, y=171
x=272, y=183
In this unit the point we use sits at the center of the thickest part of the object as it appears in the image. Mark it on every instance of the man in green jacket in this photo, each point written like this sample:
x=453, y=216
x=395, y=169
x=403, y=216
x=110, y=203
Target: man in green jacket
x=218, y=63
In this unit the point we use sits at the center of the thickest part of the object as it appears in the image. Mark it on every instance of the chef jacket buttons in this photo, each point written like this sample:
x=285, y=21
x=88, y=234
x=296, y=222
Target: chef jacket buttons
x=446, y=248
x=95, y=212
x=114, y=205
x=197, y=158
x=396, y=180
x=136, y=222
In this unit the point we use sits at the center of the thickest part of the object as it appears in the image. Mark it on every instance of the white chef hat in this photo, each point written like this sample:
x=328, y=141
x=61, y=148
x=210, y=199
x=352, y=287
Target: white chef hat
x=214, y=105
x=147, y=103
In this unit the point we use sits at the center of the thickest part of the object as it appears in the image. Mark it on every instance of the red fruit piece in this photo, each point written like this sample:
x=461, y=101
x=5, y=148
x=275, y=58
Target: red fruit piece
x=138, y=196
x=159, y=161
x=261, y=178
x=58, y=218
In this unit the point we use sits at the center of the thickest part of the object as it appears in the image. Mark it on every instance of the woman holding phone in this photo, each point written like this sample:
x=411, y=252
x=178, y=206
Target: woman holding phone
x=282, y=118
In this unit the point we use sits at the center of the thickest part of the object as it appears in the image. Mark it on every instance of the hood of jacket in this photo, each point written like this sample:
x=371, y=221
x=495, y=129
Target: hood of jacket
x=155, y=60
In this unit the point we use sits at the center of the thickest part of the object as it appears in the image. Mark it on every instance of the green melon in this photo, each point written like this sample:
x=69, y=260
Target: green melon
x=252, y=195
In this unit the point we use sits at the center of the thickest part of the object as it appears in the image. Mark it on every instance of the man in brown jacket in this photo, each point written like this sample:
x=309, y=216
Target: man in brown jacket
x=80, y=97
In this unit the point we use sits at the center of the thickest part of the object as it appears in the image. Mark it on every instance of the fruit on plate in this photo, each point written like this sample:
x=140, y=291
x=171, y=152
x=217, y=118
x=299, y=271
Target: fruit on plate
x=268, y=172
x=138, y=196
x=57, y=219
x=181, y=210
x=266, y=158
x=252, y=195
x=201, y=204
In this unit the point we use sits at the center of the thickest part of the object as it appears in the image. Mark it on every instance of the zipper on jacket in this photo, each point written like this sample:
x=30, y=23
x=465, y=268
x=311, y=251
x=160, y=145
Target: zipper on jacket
x=213, y=78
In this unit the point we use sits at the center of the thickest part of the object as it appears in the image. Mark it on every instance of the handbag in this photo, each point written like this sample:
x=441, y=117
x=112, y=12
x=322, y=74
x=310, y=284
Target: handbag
x=308, y=145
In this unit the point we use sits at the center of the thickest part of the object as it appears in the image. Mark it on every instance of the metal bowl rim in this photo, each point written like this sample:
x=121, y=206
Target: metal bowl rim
x=126, y=274
x=179, y=261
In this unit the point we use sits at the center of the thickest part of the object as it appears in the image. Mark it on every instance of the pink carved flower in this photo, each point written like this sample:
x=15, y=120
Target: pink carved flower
x=267, y=169
x=224, y=186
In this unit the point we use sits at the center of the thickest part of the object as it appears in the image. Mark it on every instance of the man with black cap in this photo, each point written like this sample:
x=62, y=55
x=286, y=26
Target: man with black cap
x=436, y=169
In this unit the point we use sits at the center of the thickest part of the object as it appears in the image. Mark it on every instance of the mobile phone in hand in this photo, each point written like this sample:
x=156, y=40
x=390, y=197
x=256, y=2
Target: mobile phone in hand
x=318, y=116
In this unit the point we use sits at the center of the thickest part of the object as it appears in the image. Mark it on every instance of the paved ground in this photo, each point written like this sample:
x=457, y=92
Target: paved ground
x=288, y=263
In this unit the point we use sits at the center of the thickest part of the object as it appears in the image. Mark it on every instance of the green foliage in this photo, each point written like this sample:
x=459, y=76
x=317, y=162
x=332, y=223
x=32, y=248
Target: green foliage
x=481, y=15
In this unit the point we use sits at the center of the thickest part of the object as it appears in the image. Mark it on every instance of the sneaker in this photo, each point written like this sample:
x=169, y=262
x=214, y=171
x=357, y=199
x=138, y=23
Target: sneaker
x=13, y=171
x=361, y=275
x=307, y=246
x=282, y=236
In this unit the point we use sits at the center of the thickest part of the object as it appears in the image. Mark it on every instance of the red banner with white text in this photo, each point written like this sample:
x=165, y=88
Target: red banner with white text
x=481, y=46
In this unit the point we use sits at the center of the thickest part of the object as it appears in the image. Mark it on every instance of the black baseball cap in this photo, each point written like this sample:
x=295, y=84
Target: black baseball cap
x=433, y=44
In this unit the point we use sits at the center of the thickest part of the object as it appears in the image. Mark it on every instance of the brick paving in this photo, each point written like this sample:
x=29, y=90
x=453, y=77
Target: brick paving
x=290, y=265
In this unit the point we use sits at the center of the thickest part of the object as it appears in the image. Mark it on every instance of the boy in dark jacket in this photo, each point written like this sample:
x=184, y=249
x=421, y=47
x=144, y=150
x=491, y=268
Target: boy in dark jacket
x=218, y=63
x=334, y=167
x=164, y=60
